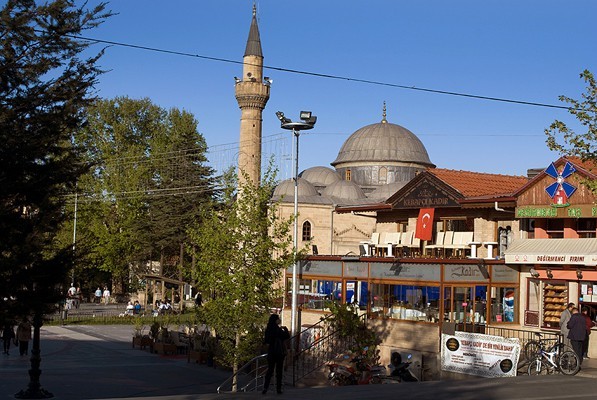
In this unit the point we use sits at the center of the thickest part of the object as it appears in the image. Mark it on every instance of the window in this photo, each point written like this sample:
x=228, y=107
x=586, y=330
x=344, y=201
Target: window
x=457, y=224
x=585, y=227
x=306, y=231
x=409, y=302
x=503, y=304
x=555, y=228
x=383, y=175
x=314, y=294
x=347, y=174
x=465, y=304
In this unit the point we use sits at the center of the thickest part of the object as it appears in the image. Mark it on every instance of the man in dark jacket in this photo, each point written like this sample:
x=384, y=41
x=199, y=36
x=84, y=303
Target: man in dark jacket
x=577, y=332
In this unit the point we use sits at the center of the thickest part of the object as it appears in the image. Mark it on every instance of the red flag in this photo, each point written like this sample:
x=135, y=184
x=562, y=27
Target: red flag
x=425, y=224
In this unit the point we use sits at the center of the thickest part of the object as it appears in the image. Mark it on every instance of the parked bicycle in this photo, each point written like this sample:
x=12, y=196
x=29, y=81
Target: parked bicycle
x=554, y=359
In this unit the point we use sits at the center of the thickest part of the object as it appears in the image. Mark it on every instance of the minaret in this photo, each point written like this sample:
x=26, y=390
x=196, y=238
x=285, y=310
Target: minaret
x=252, y=93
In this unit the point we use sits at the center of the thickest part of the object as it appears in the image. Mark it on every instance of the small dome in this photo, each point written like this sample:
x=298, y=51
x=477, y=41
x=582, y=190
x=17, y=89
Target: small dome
x=384, y=192
x=286, y=188
x=320, y=176
x=344, y=192
x=383, y=143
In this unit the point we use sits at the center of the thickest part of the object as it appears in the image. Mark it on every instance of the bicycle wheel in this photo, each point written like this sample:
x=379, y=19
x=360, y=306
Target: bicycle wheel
x=531, y=348
x=569, y=363
x=536, y=367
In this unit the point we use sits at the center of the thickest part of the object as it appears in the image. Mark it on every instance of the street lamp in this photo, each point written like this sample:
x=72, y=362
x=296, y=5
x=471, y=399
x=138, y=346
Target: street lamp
x=307, y=121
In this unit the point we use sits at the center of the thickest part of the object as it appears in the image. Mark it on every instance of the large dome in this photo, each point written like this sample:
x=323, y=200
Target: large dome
x=383, y=143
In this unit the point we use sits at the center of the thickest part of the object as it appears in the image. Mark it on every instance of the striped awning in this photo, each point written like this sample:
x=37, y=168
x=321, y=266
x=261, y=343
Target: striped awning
x=552, y=251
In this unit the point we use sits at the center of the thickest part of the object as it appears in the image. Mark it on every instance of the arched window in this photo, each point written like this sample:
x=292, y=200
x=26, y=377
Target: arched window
x=306, y=231
x=383, y=175
x=347, y=174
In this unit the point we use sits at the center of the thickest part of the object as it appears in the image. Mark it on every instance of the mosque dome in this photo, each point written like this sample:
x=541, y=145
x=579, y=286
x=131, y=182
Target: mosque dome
x=344, y=192
x=381, y=153
x=306, y=192
x=386, y=191
x=320, y=176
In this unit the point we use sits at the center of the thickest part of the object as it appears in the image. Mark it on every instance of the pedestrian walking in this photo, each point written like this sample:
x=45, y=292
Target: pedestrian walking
x=8, y=334
x=24, y=336
x=564, y=318
x=577, y=332
x=589, y=325
x=106, y=295
x=98, y=295
x=275, y=338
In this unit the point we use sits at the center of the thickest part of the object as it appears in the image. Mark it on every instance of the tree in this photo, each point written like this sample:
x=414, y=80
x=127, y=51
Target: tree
x=148, y=182
x=241, y=252
x=44, y=85
x=565, y=140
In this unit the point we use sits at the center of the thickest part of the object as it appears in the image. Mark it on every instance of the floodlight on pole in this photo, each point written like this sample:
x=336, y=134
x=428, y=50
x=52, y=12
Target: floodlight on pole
x=307, y=122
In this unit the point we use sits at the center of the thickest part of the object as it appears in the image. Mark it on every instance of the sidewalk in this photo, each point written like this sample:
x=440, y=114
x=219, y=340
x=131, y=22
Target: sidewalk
x=98, y=362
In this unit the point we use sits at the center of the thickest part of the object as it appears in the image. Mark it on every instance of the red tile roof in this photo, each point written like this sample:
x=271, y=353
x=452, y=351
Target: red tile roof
x=472, y=184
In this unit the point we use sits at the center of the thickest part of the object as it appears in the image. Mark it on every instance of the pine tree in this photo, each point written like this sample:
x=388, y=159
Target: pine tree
x=44, y=85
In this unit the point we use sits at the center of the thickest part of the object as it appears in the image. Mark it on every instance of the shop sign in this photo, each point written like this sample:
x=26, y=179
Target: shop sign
x=581, y=211
x=465, y=272
x=410, y=272
x=356, y=269
x=560, y=190
x=504, y=273
x=426, y=195
x=316, y=267
x=482, y=355
x=569, y=259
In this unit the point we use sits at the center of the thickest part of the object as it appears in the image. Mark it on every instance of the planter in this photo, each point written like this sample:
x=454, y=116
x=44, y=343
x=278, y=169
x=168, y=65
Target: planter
x=197, y=356
x=142, y=342
x=164, y=348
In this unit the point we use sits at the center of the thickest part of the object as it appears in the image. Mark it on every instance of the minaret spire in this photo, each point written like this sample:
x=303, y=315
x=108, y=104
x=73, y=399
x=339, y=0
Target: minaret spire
x=252, y=94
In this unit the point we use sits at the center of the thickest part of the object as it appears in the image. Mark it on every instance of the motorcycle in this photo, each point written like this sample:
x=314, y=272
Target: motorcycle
x=360, y=373
x=399, y=370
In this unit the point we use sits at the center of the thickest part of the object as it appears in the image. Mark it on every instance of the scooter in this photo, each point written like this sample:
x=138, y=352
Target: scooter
x=399, y=371
x=361, y=374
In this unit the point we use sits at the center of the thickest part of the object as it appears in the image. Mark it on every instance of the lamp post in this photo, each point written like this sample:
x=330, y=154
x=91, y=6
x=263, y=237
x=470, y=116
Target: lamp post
x=307, y=121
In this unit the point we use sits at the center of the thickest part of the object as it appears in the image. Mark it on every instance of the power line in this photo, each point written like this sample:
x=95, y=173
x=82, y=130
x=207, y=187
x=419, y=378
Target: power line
x=322, y=75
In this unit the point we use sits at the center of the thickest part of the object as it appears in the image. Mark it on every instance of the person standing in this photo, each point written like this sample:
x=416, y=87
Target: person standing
x=589, y=325
x=8, y=335
x=98, y=295
x=24, y=336
x=275, y=337
x=106, y=295
x=577, y=332
x=564, y=318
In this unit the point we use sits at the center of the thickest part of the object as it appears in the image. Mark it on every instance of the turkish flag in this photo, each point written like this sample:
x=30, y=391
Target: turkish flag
x=425, y=224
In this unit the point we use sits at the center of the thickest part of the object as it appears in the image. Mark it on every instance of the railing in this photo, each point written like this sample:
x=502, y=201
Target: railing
x=248, y=377
x=317, y=345
x=523, y=335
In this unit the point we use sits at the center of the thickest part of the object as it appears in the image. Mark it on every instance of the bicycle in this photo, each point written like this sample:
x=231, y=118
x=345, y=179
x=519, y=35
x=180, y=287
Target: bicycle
x=553, y=359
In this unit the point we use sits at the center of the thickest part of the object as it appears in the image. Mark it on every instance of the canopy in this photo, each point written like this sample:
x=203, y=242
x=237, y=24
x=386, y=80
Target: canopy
x=552, y=251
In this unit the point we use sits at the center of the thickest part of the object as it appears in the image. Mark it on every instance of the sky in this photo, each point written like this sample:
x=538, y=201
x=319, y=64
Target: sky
x=531, y=51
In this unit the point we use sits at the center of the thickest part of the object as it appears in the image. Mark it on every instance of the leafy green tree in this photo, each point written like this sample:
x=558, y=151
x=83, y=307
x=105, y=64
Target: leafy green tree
x=563, y=139
x=241, y=252
x=148, y=183
x=44, y=85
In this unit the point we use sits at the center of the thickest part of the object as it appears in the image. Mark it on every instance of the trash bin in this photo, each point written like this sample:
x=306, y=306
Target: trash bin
x=64, y=314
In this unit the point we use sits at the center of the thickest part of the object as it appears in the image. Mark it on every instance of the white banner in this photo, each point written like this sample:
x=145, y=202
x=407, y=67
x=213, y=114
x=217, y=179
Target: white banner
x=478, y=354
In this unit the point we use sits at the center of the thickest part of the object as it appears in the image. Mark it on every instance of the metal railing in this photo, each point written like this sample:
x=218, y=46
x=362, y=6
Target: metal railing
x=318, y=344
x=248, y=377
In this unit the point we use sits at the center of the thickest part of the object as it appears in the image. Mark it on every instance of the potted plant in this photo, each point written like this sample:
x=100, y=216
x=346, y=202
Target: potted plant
x=139, y=337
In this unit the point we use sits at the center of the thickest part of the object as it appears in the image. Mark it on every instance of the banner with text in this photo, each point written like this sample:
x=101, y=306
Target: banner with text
x=478, y=354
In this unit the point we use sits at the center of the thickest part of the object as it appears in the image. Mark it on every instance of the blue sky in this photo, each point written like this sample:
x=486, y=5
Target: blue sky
x=522, y=50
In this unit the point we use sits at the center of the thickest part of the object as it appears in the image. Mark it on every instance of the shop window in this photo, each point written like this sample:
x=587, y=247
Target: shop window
x=314, y=294
x=465, y=305
x=531, y=313
x=586, y=228
x=503, y=304
x=555, y=228
x=456, y=224
x=306, y=231
x=406, y=302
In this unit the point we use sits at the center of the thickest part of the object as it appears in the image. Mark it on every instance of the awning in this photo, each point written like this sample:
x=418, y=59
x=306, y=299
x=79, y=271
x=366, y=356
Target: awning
x=552, y=251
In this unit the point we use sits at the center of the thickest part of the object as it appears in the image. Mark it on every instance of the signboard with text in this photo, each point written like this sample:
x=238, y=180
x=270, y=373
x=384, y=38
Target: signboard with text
x=478, y=354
